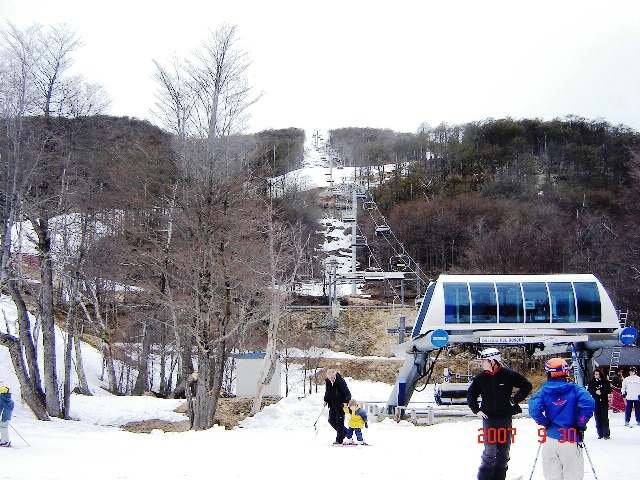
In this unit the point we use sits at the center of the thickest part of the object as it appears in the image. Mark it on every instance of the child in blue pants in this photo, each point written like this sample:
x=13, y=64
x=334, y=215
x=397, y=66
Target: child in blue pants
x=357, y=419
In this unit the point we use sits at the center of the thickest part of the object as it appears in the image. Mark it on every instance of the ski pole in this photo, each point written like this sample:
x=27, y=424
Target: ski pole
x=314, y=423
x=590, y=462
x=14, y=429
x=535, y=460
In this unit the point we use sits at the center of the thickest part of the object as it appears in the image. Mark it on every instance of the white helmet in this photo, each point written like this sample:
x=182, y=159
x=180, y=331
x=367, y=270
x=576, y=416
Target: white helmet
x=491, y=354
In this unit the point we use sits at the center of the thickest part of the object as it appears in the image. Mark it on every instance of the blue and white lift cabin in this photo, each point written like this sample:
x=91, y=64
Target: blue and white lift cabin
x=551, y=314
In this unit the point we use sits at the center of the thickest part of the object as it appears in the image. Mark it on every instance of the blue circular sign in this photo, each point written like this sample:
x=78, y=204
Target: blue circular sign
x=439, y=338
x=628, y=335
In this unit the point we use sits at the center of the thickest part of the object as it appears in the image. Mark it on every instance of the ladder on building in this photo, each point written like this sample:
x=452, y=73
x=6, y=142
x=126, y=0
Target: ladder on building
x=615, y=354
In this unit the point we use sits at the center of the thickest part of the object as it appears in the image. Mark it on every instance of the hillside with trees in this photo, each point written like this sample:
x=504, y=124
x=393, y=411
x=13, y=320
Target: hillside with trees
x=512, y=196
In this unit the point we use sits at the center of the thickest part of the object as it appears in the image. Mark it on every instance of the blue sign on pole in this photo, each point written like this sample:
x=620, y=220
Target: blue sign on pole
x=439, y=338
x=628, y=335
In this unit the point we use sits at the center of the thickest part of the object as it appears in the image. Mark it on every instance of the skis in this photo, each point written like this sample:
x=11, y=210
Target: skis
x=351, y=444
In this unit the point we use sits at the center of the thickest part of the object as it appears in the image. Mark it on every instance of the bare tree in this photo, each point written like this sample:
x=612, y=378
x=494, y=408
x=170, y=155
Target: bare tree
x=208, y=94
x=16, y=101
x=210, y=286
x=81, y=98
x=175, y=99
x=19, y=55
x=285, y=254
x=35, y=75
x=35, y=61
x=53, y=49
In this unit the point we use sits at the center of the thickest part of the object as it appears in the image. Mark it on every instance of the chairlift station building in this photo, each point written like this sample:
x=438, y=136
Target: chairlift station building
x=547, y=314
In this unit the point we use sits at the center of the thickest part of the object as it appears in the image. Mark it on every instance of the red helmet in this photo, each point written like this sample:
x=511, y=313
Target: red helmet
x=557, y=367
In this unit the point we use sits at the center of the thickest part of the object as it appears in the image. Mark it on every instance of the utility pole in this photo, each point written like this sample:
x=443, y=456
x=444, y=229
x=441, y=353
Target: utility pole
x=354, y=231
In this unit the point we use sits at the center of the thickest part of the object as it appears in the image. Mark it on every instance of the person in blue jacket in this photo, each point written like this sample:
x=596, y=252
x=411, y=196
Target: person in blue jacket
x=563, y=409
x=6, y=409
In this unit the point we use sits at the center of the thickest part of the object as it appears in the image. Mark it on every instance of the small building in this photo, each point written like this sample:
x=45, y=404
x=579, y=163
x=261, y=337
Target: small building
x=629, y=356
x=247, y=371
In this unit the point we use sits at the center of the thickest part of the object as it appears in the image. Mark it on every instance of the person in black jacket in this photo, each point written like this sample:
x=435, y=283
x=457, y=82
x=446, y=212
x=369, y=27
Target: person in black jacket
x=600, y=388
x=495, y=385
x=337, y=396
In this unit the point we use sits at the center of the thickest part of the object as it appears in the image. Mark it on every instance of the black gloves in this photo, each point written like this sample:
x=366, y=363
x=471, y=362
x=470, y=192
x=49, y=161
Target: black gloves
x=580, y=433
x=624, y=394
x=515, y=408
x=366, y=424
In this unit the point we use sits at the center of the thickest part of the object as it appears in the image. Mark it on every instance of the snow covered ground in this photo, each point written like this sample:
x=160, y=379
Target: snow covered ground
x=279, y=441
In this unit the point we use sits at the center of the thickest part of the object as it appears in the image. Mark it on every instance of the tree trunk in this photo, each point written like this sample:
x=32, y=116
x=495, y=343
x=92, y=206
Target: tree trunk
x=82, y=377
x=26, y=340
x=41, y=227
x=165, y=378
x=32, y=397
x=188, y=383
x=101, y=329
x=142, y=382
x=204, y=392
x=268, y=366
x=68, y=353
x=107, y=357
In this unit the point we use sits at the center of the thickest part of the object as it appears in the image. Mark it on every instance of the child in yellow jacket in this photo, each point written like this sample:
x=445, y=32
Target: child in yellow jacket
x=357, y=419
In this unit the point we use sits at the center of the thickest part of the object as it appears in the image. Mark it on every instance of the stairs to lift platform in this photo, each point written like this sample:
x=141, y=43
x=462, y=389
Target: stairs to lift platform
x=615, y=354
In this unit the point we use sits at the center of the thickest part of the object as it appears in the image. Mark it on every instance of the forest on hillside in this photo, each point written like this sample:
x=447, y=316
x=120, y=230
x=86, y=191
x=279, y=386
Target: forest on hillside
x=511, y=196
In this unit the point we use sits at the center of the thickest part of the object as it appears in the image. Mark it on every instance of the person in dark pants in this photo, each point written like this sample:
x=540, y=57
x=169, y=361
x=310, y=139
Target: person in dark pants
x=600, y=388
x=495, y=385
x=337, y=396
x=631, y=393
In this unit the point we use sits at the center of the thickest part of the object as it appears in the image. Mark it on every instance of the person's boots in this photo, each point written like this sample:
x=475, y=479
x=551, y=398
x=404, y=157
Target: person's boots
x=500, y=474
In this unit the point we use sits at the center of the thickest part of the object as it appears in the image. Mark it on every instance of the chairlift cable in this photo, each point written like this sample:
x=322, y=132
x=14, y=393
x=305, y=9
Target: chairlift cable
x=393, y=248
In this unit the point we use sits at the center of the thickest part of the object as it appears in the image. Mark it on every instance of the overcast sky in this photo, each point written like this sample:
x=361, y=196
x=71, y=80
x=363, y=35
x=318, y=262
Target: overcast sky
x=367, y=63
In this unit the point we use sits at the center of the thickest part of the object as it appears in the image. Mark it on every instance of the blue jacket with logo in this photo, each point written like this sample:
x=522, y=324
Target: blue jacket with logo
x=561, y=405
x=6, y=406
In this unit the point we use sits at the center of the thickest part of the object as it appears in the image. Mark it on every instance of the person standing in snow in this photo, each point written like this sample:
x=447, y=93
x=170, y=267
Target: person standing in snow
x=495, y=385
x=357, y=419
x=617, y=400
x=616, y=379
x=600, y=388
x=336, y=396
x=6, y=409
x=631, y=393
x=563, y=409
